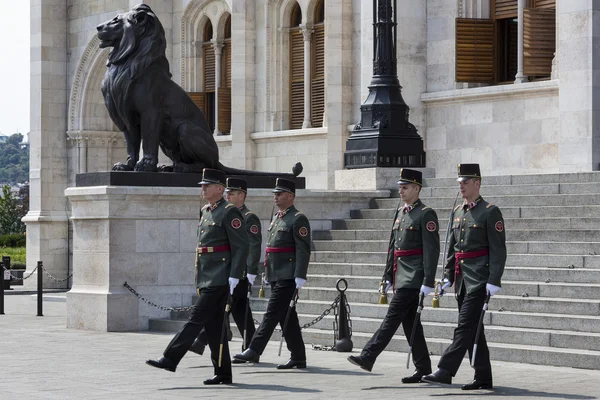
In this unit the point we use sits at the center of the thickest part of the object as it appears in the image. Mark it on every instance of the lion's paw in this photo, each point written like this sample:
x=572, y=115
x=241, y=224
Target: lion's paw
x=165, y=168
x=122, y=167
x=146, y=165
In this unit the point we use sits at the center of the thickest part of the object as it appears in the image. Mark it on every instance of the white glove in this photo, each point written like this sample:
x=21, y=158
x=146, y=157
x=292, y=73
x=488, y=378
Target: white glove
x=232, y=284
x=443, y=286
x=426, y=290
x=300, y=282
x=492, y=289
x=388, y=285
x=251, y=278
x=266, y=281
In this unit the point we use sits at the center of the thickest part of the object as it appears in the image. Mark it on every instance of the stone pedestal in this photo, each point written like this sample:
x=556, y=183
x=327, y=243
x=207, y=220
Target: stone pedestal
x=373, y=178
x=146, y=236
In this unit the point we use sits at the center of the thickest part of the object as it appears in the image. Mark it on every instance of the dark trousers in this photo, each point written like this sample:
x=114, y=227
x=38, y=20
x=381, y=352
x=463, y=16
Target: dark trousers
x=279, y=302
x=402, y=310
x=469, y=312
x=239, y=311
x=208, y=313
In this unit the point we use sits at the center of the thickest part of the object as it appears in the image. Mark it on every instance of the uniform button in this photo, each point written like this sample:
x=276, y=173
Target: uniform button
x=463, y=229
x=202, y=231
x=223, y=259
x=401, y=229
x=462, y=261
x=290, y=259
x=199, y=242
x=464, y=219
x=461, y=240
x=400, y=239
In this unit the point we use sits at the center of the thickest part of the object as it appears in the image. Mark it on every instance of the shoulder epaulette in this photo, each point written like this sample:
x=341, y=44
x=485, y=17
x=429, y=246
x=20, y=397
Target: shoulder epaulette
x=298, y=213
x=229, y=205
x=249, y=212
x=205, y=207
x=489, y=205
x=425, y=208
x=457, y=207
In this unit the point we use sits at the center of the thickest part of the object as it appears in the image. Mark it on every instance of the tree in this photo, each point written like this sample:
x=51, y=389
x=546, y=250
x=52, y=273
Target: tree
x=10, y=218
x=14, y=160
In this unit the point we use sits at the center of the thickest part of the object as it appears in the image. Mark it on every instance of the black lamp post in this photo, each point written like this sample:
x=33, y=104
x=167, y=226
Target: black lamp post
x=384, y=137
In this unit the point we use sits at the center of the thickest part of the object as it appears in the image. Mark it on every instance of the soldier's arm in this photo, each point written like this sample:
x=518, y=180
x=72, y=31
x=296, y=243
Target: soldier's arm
x=497, y=245
x=450, y=257
x=238, y=241
x=253, y=228
x=431, y=245
x=301, y=232
x=388, y=273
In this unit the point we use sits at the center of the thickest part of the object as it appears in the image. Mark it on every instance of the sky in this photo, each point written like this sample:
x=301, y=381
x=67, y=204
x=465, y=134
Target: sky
x=14, y=66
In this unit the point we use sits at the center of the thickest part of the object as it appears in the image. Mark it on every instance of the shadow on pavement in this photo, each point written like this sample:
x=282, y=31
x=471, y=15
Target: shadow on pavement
x=245, y=386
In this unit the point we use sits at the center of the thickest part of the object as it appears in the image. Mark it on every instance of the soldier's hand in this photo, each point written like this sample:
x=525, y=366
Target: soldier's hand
x=300, y=282
x=388, y=285
x=232, y=284
x=445, y=284
x=425, y=290
x=251, y=278
x=492, y=289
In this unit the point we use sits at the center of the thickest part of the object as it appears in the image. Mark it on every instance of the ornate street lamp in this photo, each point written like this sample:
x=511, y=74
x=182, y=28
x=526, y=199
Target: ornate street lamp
x=384, y=137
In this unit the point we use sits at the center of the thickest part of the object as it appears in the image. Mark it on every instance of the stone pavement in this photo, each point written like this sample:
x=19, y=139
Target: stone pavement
x=41, y=359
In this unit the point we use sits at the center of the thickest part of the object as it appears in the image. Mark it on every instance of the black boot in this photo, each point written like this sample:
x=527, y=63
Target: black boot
x=478, y=384
x=414, y=378
x=163, y=363
x=248, y=355
x=219, y=380
x=361, y=362
x=292, y=364
x=439, y=376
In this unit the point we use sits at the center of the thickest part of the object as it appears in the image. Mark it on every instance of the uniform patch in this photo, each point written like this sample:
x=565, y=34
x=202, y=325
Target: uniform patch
x=499, y=226
x=303, y=231
x=236, y=223
x=431, y=226
x=254, y=229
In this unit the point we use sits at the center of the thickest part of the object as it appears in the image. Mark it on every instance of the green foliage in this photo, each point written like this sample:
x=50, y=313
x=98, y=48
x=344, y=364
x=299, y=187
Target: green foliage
x=10, y=213
x=12, y=240
x=14, y=160
x=17, y=256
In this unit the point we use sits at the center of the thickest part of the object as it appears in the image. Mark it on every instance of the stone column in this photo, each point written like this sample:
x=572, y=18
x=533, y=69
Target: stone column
x=243, y=77
x=82, y=143
x=218, y=47
x=307, y=32
x=520, y=77
x=579, y=92
x=338, y=91
x=47, y=222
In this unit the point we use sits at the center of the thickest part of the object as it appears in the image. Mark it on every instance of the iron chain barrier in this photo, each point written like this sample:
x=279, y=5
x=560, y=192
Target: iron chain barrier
x=16, y=278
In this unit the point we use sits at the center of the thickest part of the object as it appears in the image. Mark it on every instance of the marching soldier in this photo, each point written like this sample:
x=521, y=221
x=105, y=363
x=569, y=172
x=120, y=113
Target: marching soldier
x=475, y=263
x=286, y=265
x=235, y=193
x=411, y=264
x=220, y=263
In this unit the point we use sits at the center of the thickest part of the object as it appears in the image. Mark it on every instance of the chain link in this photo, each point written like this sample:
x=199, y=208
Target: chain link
x=324, y=314
x=17, y=279
x=139, y=296
x=53, y=278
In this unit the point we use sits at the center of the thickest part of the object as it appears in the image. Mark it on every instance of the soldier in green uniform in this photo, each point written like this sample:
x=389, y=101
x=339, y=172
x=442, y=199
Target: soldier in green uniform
x=411, y=264
x=475, y=263
x=235, y=193
x=221, y=257
x=286, y=266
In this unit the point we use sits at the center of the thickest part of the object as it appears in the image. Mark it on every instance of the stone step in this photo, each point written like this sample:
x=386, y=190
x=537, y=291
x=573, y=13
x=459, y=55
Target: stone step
x=531, y=274
x=502, y=200
x=503, y=190
x=577, y=177
x=558, y=235
x=511, y=223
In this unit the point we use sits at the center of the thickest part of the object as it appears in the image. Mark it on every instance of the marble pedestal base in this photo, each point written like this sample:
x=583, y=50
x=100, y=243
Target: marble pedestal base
x=375, y=178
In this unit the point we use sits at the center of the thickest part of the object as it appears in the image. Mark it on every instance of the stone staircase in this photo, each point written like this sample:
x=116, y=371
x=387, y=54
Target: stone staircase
x=548, y=311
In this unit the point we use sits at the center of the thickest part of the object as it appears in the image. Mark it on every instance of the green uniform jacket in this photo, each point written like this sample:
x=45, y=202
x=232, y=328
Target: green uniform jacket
x=220, y=226
x=473, y=229
x=292, y=230
x=415, y=229
x=254, y=230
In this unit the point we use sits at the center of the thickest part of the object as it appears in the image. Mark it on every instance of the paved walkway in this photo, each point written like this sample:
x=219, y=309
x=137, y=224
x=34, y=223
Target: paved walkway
x=41, y=359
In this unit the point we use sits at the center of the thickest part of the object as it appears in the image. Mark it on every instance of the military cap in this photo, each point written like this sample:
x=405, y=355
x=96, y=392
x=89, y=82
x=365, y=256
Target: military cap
x=236, y=184
x=284, y=185
x=468, y=171
x=212, y=176
x=410, y=176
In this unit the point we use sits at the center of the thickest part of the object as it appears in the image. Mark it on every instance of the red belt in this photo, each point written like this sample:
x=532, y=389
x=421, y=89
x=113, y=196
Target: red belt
x=463, y=255
x=213, y=249
x=278, y=250
x=404, y=253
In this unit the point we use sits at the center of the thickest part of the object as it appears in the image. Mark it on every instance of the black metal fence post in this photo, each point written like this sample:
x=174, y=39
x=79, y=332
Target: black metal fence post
x=1, y=290
x=344, y=341
x=40, y=282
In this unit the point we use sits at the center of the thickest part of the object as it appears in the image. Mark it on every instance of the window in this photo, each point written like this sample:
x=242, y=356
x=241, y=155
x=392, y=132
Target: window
x=225, y=86
x=487, y=50
x=296, y=69
x=317, y=93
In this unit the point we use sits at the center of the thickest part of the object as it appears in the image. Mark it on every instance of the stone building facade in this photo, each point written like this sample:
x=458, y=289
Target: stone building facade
x=283, y=80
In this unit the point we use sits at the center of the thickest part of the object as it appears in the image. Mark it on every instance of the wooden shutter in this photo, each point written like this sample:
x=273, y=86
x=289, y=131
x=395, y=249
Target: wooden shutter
x=199, y=99
x=317, y=93
x=224, y=96
x=209, y=68
x=226, y=65
x=502, y=9
x=474, y=50
x=296, y=78
x=539, y=41
x=544, y=4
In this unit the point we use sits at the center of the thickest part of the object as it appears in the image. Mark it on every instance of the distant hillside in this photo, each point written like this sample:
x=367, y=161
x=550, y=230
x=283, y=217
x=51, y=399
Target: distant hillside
x=14, y=159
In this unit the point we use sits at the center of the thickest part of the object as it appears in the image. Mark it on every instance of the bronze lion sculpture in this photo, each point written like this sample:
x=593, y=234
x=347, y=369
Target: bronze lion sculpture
x=147, y=106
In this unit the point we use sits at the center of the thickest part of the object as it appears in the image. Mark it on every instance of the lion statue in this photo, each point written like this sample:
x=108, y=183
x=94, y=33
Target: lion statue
x=147, y=106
